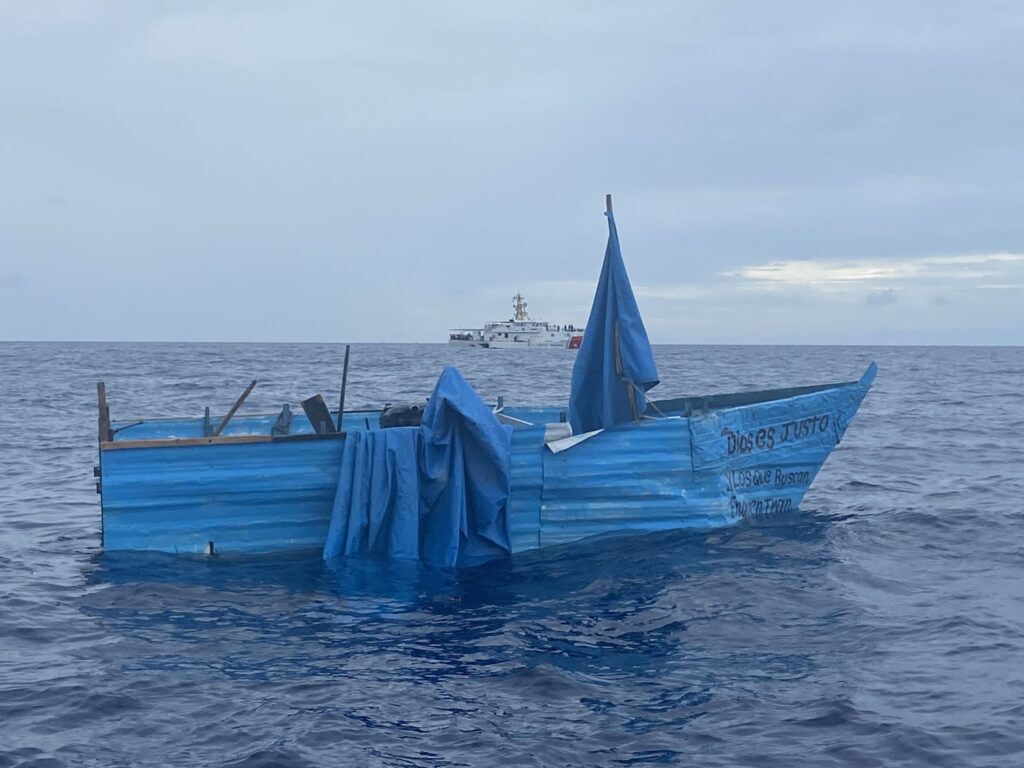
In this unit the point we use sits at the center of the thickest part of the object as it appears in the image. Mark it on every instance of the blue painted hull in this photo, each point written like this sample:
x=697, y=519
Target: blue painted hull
x=694, y=463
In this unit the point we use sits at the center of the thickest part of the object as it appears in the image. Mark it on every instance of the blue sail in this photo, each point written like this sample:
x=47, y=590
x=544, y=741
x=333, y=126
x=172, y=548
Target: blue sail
x=615, y=366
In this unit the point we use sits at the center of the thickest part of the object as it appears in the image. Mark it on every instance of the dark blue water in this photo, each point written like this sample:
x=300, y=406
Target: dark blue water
x=882, y=625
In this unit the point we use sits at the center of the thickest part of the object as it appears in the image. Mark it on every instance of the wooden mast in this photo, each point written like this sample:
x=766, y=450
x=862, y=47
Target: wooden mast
x=630, y=387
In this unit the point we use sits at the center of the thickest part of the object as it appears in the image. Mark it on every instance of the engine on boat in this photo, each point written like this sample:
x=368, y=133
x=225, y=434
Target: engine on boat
x=402, y=415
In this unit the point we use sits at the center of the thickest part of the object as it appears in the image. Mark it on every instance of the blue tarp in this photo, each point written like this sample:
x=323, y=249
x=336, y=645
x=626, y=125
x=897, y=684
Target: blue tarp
x=438, y=492
x=615, y=364
x=376, y=506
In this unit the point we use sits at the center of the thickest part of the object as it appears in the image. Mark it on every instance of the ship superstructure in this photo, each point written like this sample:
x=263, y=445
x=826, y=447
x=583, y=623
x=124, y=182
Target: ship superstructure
x=518, y=332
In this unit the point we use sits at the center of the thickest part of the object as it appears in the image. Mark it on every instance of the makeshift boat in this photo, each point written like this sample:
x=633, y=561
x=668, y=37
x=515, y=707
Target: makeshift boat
x=458, y=481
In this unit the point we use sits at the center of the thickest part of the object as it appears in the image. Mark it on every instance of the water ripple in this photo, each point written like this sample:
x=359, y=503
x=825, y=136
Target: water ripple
x=882, y=625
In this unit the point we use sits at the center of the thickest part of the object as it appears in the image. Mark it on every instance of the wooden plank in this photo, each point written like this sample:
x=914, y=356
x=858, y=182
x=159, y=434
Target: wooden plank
x=234, y=408
x=104, y=420
x=256, y=415
x=318, y=414
x=183, y=442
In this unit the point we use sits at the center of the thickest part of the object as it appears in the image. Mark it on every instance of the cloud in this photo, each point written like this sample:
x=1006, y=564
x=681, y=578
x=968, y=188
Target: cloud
x=871, y=282
x=868, y=273
x=464, y=148
x=582, y=291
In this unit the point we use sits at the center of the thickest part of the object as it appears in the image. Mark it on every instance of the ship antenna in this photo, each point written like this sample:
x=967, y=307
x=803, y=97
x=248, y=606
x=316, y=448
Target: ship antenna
x=519, y=307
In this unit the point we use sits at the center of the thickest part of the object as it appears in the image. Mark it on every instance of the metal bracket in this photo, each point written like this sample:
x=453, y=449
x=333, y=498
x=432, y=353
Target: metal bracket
x=284, y=421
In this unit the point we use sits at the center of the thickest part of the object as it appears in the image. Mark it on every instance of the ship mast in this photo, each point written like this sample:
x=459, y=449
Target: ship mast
x=519, y=307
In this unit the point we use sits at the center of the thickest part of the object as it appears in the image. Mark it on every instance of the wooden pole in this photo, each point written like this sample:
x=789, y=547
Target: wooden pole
x=344, y=385
x=618, y=351
x=234, y=408
x=104, y=420
x=630, y=388
x=105, y=436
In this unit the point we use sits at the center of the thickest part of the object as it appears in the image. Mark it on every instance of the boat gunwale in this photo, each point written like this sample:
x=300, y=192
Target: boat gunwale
x=689, y=405
x=701, y=404
x=797, y=391
x=260, y=415
x=183, y=442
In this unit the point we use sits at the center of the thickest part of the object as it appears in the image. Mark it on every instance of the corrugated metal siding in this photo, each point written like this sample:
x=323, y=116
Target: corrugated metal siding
x=254, y=497
x=760, y=459
x=676, y=473
x=634, y=478
x=527, y=474
x=655, y=475
x=261, y=496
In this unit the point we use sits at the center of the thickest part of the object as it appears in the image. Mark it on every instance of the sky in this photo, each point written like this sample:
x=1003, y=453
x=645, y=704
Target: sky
x=790, y=172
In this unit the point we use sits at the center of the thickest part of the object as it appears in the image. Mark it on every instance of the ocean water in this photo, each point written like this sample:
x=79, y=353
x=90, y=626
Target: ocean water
x=882, y=625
